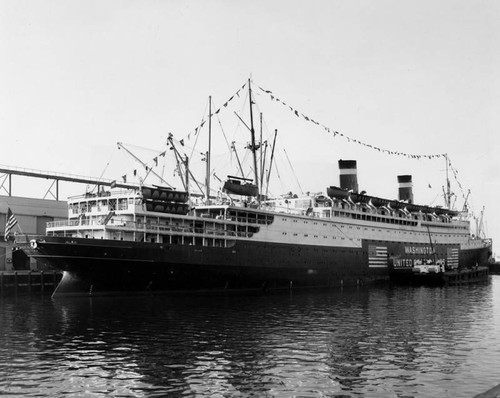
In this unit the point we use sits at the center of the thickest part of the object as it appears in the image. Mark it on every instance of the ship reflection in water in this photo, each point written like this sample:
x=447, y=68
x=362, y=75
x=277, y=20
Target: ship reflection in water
x=375, y=342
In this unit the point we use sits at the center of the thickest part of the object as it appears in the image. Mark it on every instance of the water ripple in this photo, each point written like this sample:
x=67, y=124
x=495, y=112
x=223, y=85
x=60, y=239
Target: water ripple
x=378, y=342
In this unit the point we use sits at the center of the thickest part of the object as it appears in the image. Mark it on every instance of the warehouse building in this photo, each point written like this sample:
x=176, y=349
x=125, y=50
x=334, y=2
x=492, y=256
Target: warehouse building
x=31, y=215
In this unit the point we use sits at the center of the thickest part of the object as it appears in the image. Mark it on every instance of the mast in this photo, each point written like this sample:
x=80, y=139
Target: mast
x=188, y=171
x=252, y=130
x=261, y=160
x=271, y=161
x=207, y=182
x=238, y=159
x=293, y=171
x=262, y=170
x=447, y=199
x=186, y=165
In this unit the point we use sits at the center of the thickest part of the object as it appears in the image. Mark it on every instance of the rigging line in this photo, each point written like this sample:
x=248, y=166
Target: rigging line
x=349, y=139
x=105, y=168
x=139, y=147
x=147, y=166
x=198, y=131
x=437, y=196
x=455, y=175
x=180, y=142
x=198, y=128
x=154, y=160
x=223, y=132
x=266, y=127
x=278, y=177
x=293, y=171
x=244, y=161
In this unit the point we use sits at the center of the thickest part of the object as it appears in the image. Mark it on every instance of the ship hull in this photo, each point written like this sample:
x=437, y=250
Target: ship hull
x=95, y=267
x=108, y=267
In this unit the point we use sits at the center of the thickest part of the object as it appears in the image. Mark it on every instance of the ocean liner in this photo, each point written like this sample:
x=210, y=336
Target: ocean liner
x=158, y=239
x=153, y=240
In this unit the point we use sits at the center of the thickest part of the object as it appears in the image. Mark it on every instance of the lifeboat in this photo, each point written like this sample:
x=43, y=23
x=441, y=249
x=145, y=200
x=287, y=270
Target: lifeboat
x=164, y=194
x=240, y=186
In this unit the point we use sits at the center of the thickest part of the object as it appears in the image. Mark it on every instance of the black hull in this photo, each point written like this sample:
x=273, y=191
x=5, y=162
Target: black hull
x=94, y=267
x=102, y=267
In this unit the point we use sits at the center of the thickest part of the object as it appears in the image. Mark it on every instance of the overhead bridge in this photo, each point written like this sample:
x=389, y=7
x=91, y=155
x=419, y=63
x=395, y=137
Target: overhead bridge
x=6, y=173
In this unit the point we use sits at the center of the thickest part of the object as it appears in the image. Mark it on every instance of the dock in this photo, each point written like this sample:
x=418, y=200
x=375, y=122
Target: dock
x=438, y=277
x=495, y=267
x=28, y=282
x=464, y=276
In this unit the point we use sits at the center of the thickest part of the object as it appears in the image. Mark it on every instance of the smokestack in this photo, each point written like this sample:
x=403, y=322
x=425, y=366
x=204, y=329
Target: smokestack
x=405, y=188
x=348, y=175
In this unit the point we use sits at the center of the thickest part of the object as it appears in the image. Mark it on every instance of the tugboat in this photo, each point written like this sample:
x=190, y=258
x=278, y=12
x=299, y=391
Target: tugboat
x=437, y=274
x=434, y=271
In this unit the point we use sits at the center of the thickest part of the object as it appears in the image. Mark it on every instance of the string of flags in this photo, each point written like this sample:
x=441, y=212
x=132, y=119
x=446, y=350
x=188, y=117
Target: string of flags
x=299, y=114
x=455, y=175
x=349, y=139
x=194, y=132
x=155, y=161
x=198, y=128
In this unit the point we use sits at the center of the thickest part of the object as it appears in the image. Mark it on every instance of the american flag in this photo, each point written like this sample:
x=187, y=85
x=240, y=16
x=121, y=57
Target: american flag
x=10, y=223
x=377, y=256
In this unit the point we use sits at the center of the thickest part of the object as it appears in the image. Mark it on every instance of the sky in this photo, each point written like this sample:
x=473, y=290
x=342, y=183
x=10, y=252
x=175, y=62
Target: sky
x=407, y=77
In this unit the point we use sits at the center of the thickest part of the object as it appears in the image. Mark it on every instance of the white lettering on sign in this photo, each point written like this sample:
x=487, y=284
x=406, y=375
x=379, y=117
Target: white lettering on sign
x=418, y=250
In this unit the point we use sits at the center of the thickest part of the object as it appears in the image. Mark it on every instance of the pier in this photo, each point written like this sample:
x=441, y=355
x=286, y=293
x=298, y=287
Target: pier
x=495, y=267
x=28, y=282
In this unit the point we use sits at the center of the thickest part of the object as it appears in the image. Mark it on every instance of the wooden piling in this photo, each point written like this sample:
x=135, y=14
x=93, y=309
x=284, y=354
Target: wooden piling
x=28, y=282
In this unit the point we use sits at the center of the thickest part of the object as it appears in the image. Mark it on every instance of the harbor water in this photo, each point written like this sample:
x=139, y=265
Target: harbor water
x=351, y=342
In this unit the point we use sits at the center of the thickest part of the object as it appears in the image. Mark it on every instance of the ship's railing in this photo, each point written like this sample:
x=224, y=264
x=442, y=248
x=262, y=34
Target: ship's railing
x=129, y=193
x=348, y=210
x=24, y=239
x=141, y=227
x=65, y=223
x=83, y=222
x=179, y=230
